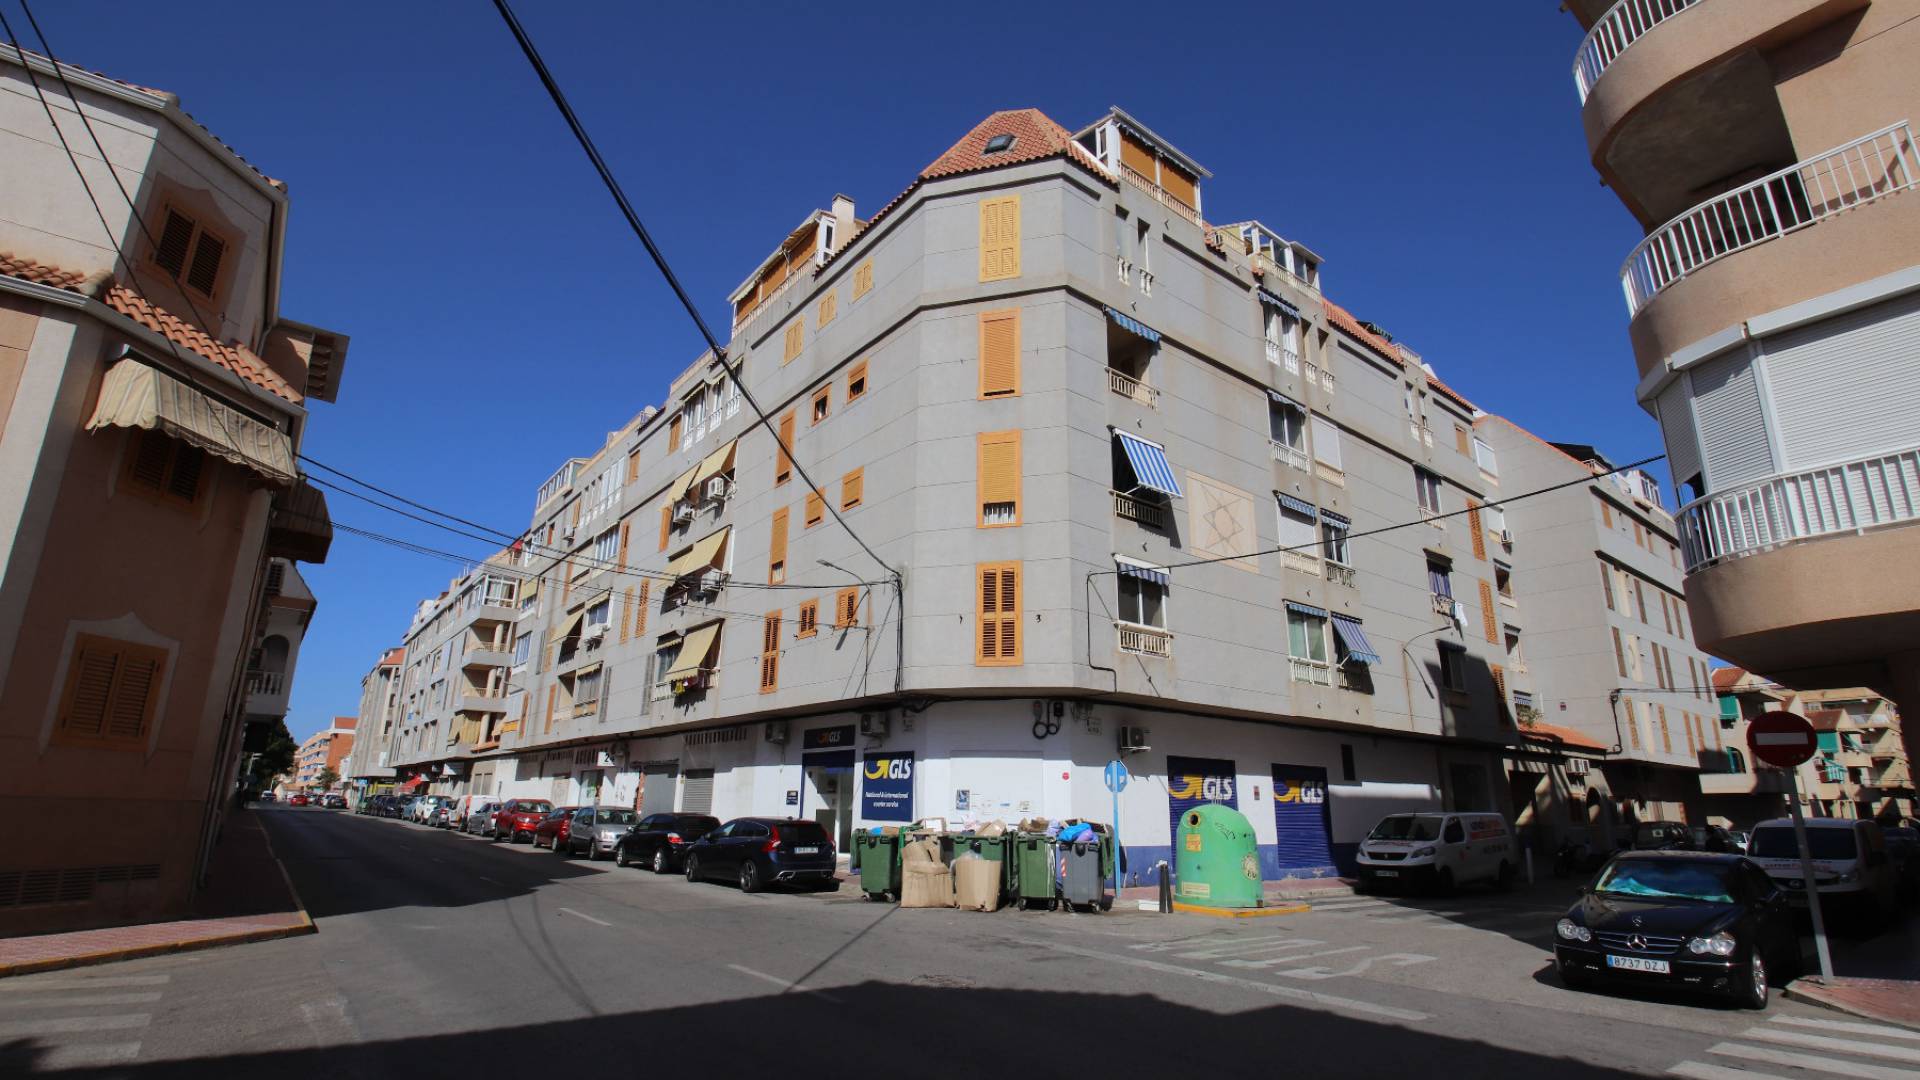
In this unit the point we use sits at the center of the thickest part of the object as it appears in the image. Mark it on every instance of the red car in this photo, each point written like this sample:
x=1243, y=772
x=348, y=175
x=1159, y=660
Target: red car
x=556, y=828
x=297, y=800
x=519, y=817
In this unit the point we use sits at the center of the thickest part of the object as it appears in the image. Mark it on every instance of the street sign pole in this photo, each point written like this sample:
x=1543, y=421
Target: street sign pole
x=1786, y=741
x=1117, y=777
x=1806, y=874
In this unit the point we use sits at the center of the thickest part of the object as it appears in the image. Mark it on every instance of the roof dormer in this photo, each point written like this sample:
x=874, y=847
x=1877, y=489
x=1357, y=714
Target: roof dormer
x=1127, y=148
x=805, y=249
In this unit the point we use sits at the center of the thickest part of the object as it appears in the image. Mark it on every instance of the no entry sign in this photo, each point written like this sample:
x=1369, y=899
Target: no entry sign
x=1780, y=739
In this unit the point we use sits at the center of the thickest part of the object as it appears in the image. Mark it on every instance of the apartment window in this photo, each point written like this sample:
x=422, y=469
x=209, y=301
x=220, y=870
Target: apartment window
x=783, y=460
x=1283, y=339
x=633, y=465
x=829, y=304
x=856, y=382
x=816, y=509
x=600, y=613
x=777, y=549
x=1453, y=668
x=822, y=403
x=795, y=340
x=1143, y=594
x=663, y=660
x=770, y=653
x=112, y=692
x=1426, y=486
x=1000, y=238
x=846, y=609
x=190, y=254
x=1497, y=524
x=863, y=279
x=1333, y=538
x=997, y=612
x=586, y=690
x=522, y=649
x=1287, y=426
x=606, y=547
x=1514, y=656
x=809, y=621
x=1298, y=533
x=1484, y=457
x=160, y=465
x=1307, y=644
x=852, y=488
x=1474, y=529
x=1326, y=442
x=1440, y=577
x=997, y=478
x=999, y=353
x=1503, y=581
x=674, y=428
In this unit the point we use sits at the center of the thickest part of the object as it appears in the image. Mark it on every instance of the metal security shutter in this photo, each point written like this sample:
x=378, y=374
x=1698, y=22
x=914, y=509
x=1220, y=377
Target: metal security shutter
x=1683, y=442
x=1845, y=388
x=656, y=796
x=697, y=795
x=1302, y=821
x=1192, y=781
x=1733, y=433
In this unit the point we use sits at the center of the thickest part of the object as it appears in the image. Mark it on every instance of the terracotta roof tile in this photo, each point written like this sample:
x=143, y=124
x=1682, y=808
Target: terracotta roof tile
x=394, y=657
x=235, y=357
x=1724, y=679
x=1538, y=732
x=1344, y=319
x=1826, y=719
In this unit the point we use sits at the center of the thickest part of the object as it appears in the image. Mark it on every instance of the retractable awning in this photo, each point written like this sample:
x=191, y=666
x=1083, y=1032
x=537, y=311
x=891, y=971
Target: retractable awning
x=134, y=395
x=714, y=464
x=1283, y=399
x=1149, y=463
x=1307, y=609
x=681, y=484
x=1133, y=326
x=1355, y=639
x=298, y=527
x=1338, y=521
x=703, y=555
x=569, y=626
x=1273, y=300
x=694, y=651
x=1298, y=506
x=1143, y=573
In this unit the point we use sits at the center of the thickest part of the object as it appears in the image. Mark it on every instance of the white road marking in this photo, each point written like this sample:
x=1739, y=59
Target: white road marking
x=1249, y=946
x=84, y=983
x=584, y=915
x=1396, y=959
x=82, y=1055
x=96, y=999
x=1849, y=1027
x=1700, y=1070
x=1293, y=993
x=67, y=1025
x=1210, y=941
x=1813, y=1063
x=1294, y=959
x=784, y=984
x=1834, y=1046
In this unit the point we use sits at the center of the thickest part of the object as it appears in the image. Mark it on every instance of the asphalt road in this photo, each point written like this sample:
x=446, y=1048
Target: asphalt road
x=443, y=955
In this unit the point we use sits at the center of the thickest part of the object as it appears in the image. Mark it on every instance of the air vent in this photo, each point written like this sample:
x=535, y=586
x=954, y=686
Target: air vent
x=73, y=885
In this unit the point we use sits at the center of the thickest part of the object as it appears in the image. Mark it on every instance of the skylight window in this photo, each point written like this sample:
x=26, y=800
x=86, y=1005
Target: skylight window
x=999, y=144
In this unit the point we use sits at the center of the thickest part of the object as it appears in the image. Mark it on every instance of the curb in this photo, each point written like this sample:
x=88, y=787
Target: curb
x=1239, y=913
x=1814, y=994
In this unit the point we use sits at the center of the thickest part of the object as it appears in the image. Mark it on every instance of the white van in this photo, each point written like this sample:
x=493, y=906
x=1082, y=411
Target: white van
x=1850, y=865
x=1438, y=851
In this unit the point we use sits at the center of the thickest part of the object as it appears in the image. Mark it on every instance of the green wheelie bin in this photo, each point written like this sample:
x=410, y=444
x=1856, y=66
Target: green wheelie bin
x=1033, y=869
x=994, y=848
x=877, y=858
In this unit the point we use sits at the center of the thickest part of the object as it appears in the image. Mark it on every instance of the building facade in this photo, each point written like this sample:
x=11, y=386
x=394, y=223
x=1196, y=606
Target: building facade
x=153, y=399
x=1774, y=311
x=1859, y=770
x=378, y=723
x=324, y=751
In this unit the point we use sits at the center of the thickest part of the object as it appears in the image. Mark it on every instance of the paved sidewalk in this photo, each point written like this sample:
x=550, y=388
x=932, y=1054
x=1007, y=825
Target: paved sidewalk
x=247, y=898
x=1275, y=892
x=1878, y=979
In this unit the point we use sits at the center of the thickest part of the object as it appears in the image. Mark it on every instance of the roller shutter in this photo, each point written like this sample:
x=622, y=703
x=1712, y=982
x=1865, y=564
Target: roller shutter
x=1733, y=431
x=1846, y=388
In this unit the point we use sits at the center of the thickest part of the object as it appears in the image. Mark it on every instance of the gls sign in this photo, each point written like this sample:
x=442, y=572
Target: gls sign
x=893, y=768
x=886, y=786
x=1202, y=788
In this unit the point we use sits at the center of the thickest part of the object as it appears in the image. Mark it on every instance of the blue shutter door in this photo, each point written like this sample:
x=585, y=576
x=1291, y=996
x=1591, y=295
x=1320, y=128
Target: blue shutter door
x=1192, y=781
x=1302, y=821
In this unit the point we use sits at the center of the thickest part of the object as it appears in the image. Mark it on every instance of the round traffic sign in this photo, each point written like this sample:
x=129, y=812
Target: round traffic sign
x=1117, y=776
x=1780, y=739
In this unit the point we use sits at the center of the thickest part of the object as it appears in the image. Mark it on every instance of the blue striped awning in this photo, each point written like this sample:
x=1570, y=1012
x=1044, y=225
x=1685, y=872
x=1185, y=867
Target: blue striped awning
x=1134, y=326
x=1283, y=399
x=1355, y=639
x=1143, y=573
x=1150, y=467
x=1274, y=301
x=1338, y=521
x=1307, y=609
x=1298, y=506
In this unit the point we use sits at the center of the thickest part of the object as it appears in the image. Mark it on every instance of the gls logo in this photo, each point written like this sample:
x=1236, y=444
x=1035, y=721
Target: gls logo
x=1204, y=788
x=889, y=768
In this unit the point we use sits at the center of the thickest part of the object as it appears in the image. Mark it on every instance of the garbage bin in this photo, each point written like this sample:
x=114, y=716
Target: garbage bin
x=1083, y=878
x=877, y=858
x=995, y=848
x=1033, y=869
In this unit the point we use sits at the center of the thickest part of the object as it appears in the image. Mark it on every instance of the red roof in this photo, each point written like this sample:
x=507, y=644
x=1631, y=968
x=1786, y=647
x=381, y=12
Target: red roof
x=394, y=657
x=233, y=356
x=1568, y=737
x=1726, y=678
x=1826, y=719
x=1344, y=319
x=346, y=722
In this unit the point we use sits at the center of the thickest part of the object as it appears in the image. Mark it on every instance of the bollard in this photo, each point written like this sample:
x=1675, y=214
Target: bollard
x=1166, y=890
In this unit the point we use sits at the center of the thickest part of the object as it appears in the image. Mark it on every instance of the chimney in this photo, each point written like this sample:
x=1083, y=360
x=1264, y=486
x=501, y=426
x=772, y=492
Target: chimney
x=843, y=220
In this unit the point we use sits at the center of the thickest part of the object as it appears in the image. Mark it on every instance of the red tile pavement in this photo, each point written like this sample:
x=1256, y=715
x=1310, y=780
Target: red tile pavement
x=1893, y=1001
x=1308, y=889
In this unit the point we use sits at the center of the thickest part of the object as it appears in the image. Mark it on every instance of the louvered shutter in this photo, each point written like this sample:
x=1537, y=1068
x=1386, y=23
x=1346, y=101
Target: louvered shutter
x=846, y=609
x=1606, y=584
x=151, y=452
x=1619, y=653
x=795, y=340
x=829, y=304
x=626, y=616
x=1492, y=624
x=852, y=489
x=640, y=618
x=204, y=273
x=1606, y=514
x=90, y=693
x=770, y=653
x=673, y=432
x=1500, y=681
x=998, y=454
x=863, y=279
x=626, y=527
x=1473, y=525
x=783, y=467
x=171, y=254
x=1000, y=238
x=816, y=508
x=999, y=353
x=183, y=481
x=666, y=523
x=1633, y=722
x=999, y=614
x=777, y=549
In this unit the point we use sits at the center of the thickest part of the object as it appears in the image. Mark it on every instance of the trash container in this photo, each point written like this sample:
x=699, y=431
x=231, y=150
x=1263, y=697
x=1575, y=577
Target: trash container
x=877, y=858
x=995, y=848
x=1033, y=869
x=1083, y=879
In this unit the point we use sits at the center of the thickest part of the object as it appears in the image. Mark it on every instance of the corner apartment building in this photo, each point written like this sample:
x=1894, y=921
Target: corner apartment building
x=452, y=686
x=378, y=722
x=325, y=749
x=1860, y=768
x=1766, y=147
x=152, y=400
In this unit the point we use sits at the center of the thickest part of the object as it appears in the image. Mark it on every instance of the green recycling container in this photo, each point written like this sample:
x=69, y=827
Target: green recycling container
x=1216, y=862
x=877, y=858
x=995, y=848
x=1033, y=868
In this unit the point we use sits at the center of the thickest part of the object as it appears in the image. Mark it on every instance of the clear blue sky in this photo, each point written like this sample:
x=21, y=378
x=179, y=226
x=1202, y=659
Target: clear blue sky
x=503, y=319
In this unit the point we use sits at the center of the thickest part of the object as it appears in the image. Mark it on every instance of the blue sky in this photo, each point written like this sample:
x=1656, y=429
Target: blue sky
x=503, y=319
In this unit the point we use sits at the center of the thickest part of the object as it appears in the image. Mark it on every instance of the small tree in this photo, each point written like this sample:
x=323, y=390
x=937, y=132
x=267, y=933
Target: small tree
x=326, y=778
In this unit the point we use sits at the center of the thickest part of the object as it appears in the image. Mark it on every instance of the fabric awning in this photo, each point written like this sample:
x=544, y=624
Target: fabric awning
x=1143, y=573
x=1275, y=301
x=134, y=395
x=1298, y=506
x=1134, y=326
x=681, y=484
x=714, y=464
x=569, y=626
x=1338, y=521
x=694, y=651
x=529, y=586
x=586, y=669
x=1355, y=639
x=1283, y=399
x=1150, y=467
x=701, y=556
x=1307, y=609
x=298, y=528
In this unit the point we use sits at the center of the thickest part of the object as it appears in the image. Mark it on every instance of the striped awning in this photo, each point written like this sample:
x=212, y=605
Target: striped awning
x=1134, y=326
x=298, y=526
x=694, y=651
x=1355, y=639
x=1274, y=301
x=1143, y=573
x=1298, y=506
x=1338, y=521
x=701, y=556
x=681, y=484
x=134, y=395
x=1283, y=399
x=1307, y=609
x=568, y=627
x=714, y=464
x=1150, y=467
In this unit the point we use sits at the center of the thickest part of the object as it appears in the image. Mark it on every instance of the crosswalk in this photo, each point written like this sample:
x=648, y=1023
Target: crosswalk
x=1288, y=955
x=79, y=1021
x=1457, y=916
x=1799, y=1045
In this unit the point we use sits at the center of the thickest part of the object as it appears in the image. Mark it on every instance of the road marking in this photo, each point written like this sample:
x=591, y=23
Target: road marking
x=1263, y=945
x=1210, y=941
x=1700, y=1070
x=784, y=984
x=86, y=983
x=1881, y=1030
x=1396, y=959
x=69, y=1024
x=96, y=999
x=81, y=1055
x=584, y=915
x=1302, y=943
x=1812, y=1063
x=1294, y=959
x=1831, y=1045
x=1293, y=993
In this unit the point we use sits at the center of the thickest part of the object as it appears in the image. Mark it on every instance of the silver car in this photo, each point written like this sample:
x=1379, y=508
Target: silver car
x=596, y=829
x=480, y=817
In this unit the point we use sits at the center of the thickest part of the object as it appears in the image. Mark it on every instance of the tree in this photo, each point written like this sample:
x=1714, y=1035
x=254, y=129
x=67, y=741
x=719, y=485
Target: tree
x=326, y=778
x=277, y=758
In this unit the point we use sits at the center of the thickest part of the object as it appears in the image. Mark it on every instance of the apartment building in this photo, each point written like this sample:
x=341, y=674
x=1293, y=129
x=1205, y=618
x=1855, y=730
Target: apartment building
x=452, y=690
x=1774, y=311
x=325, y=750
x=1860, y=768
x=378, y=722
x=152, y=400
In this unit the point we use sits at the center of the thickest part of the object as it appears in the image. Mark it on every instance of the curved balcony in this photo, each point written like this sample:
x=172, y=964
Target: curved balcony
x=1787, y=201
x=1846, y=498
x=1621, y=26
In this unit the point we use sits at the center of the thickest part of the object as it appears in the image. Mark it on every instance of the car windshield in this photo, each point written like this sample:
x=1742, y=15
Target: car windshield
x=616, y=817
x=1406, y=827
x=534, y=808
x=1669, y=879
x=1777, y=843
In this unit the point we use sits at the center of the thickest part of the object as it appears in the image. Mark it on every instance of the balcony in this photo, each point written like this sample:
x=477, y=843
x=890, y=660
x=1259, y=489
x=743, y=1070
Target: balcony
x=479, y=700
x=1341, y=575
x=1442, y=604
x=1792, y=199
x=1144, y=640
x=1160, y=194
x=1132, y=389
x=1620, y=27
x=1300, y=561
x=267, y=683
x=1284, y=453
x=487, y=654
x=1844, y=498
x=1152, y=515
x=1323, y=376
x=586, y=708
x=1310, y=671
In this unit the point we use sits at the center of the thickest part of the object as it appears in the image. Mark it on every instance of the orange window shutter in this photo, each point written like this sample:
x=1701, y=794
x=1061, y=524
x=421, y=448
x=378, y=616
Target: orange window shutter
x=846, y=609
x=998, y=613
x=999, y=353
x=816, y=509
x=666, y=523
x=1606, y=584
x=1666, y=733
x=626, y=617
x=626, y=528
x=796, y=333
x=1606, y=514
x=856, y=381
x=809, y=619
x=1492, y=624
x=566, y=586
x=829, y=304
x=863, y=279
x=1473, y=526
x=1633, y=721
x=1178, y=184
x=783, y=463
x=1000, y=238
x=633, y=465
x=1134, y=155
x=640, y=617
x=852, y=488
x=1460, y=440
x=1500, y=680
x=770, y=653
x=997, y=477
x=1619, y=653
x=552, y=692
x=673, y=433
x=777, y=549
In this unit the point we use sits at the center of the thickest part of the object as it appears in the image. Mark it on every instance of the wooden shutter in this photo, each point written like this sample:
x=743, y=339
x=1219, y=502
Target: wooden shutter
x=770, y=654
x=1633, y=722
x=566, y=580
x=552, y=692
x=777, y=549
x=829, y=304
x=856, y=381
x=1606, y=583
x=626, y=528
x=203, y=274
x=1666, y=733
x=998, y=611
x=796, y=333
x=1135, y=155
x=626, y=616
x=148, y=458
x=666, y=523
x=176, y=238
x=1666, y=611
x=816, y=509
x=1500, y=681
x=1619, y=653
x=863, y=279
x=183, y=481
x=1686, y=725
x=1000, y=238
x=1492, y=624
x=997, y=477
x=783, y=462
x=999, y=353
x=673, y=432
x=1473, y=526
x=633, y=465
x=1175, y=181
x=640, y=618
x=852, y=488
x=1606, y=514
x=1461, y=441
x=846, y=608
x=112, y=690
x=809, y=619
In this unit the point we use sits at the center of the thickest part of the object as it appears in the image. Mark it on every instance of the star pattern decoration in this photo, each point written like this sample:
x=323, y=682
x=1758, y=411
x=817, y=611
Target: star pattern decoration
x=1222, y=520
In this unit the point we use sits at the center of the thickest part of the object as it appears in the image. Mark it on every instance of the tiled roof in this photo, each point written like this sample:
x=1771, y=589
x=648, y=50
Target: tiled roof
x=1344, y=319
x=235, y=357
x=1567, y=737
x=1726, y=678
x=394, y=657
x=1826, y=719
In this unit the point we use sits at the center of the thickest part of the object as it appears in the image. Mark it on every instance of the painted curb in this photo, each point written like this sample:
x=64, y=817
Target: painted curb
x=1239, y=913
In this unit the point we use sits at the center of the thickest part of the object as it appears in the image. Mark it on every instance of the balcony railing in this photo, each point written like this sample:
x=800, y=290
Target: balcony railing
x=586, y=708
x=1145, y=640
x=1621, y=26
x=1300, y=561
x=1340, y=575
x=1332, y=475
x=1173, y=202
x=1771, y=207
x=1283, y=452
x=1842, y=498
x=1133, y=389
x=1442, y=604
x=269, y=683
x=1149, y=514
x=1310, y=671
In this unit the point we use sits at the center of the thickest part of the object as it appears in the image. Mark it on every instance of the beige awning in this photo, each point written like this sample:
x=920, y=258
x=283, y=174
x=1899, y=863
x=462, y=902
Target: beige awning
x=569, y=626
x=681, y=485
x=694, y=651
x=529, y=586
x=134, y=395
x=298, y=526
x=714, y=464
x=701, y=556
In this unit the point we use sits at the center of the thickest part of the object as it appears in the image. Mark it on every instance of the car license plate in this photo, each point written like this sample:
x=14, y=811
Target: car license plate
x=806, y=851
x=1387, y=873
x=1636, y=963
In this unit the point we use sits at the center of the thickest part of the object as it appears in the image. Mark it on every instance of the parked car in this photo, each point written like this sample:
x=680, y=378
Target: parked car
x=658, y=840
x=297, y=799
x=757, y=852
x=334, y=802
x=555, y=827
x=596, y=830
x=387, y=805
x=1739, y=838
x=439, y=815
x=1850, y=867
x=1438, y=851
x=267, y=796
x=519, y=817
x=1689, y=919
x=1662, y=836
x=478, y=817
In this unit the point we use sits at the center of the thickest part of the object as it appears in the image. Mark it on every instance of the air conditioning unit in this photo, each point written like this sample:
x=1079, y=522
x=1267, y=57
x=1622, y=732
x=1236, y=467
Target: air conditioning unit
x=1506, y=537
x=682, y=513
x=719, y=488
x=874, y=725
x=593, y=635
x=566, y=538
x=776, y=731
x=710, y=581
x=1133, y=740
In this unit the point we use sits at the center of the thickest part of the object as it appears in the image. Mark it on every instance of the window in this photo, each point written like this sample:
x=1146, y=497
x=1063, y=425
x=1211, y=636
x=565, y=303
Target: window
x=795, y=340
x=600, y=613
x=856, y=382
x=997, y=632
x=606, y=547
x=190, y=254
x=809, y=621
x=777, y=549
x=1283, y=339
x=783, y=462
x=1000, y=238
x=663, y=661
x=1426, y=487
x=1514, y=656
x=674, y=428
x=586, y=690
x=161, y=465
x=829, y=304
x=1440, y=577
x=997, y=478
x=1484, y=457
x=852, y=487
x=999, y=353
x=1297, y=533
x=1326, y=442
x=1474, y=530
x=112, y=693
x=816, y=509
x=1307, y=636
x=1453, y=668
x=863, y=279
x=522, y=649
x=640, y=610
x=1461, y=440
x=1503, y=581
x=999, y=144
x=846, y=609
x=1333, y=538
x=1287, y=426
x=770, y=653
x=1143, y=595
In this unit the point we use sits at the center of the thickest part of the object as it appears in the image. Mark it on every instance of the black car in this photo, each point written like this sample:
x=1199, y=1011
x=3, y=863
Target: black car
x=1687, y=919
x=659, y=840
x=757, y=852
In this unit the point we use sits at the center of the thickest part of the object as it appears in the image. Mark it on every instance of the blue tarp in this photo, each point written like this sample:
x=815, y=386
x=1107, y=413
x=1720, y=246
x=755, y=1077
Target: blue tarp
x=1134, y=326
x=1355, y=639
x=1150, y=467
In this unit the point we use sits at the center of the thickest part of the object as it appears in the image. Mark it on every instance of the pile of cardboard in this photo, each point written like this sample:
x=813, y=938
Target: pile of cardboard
x=925, y=881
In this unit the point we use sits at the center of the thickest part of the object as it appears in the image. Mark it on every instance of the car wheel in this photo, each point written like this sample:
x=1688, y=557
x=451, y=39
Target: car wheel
x=1504, y=880
x=1753, y=989
x=593, y=851
x=693, y=868
x=620, y=856
x=749, y=877
x=661, y=864
x=565, y=850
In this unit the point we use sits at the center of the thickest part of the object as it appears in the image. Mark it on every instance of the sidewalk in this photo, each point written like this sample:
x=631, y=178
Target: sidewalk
x=1288, y=890
x=247, y=898
x=1877, y=979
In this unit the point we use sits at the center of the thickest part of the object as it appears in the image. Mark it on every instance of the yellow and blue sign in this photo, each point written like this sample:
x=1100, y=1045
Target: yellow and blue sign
x=886, y=786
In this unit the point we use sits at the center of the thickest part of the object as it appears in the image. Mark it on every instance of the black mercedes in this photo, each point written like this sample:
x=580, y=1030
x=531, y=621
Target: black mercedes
x=1685, y=919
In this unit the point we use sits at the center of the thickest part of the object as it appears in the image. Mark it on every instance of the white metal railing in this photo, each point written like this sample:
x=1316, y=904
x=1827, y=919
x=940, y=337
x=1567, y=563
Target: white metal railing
x=1290, y=353
x=1340, y=575
x=1139, y=510
x=1771, y=207
x=1310, y=671
x=1301, y=561
x=1273, y=352
x=267, y=682
x=1160, y=194
x=1841, y=498
x=1283, y=452
x=1146, y=640
x=1621, y=26
x=1129, y=387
